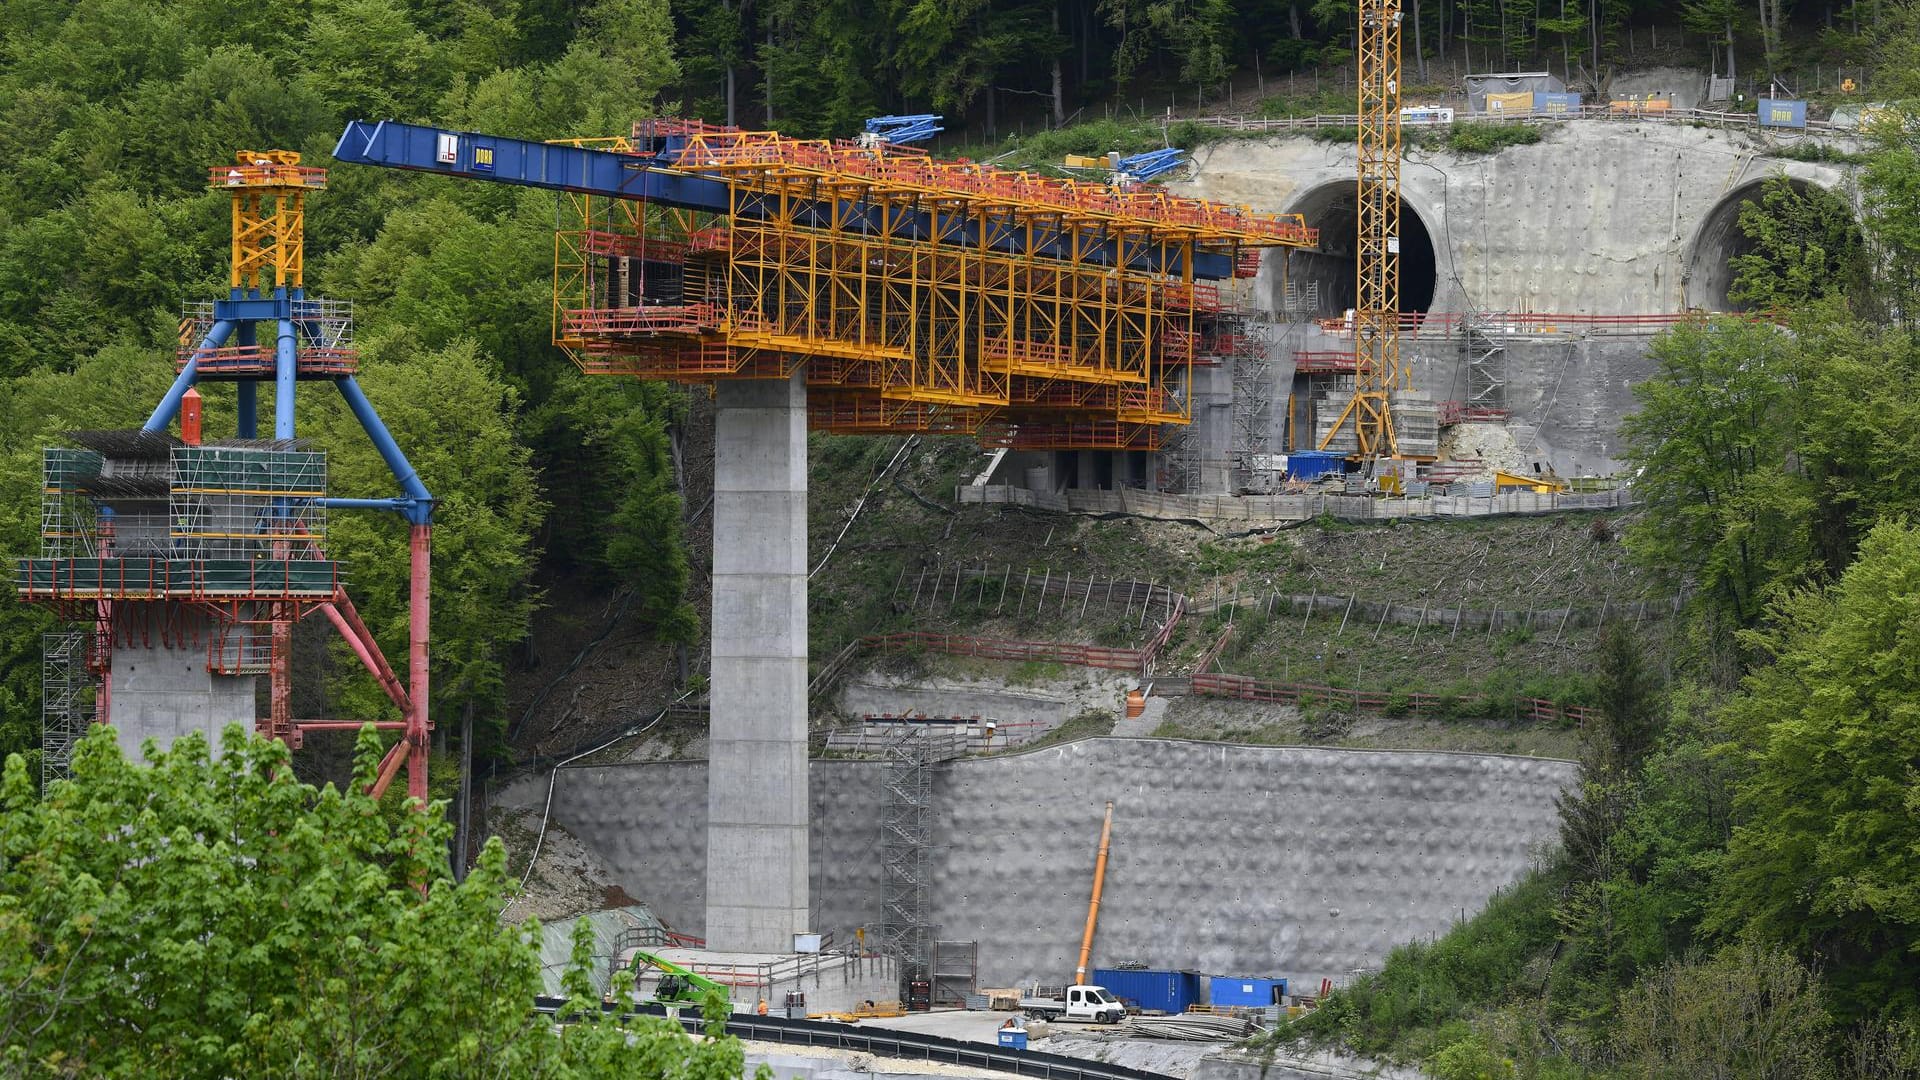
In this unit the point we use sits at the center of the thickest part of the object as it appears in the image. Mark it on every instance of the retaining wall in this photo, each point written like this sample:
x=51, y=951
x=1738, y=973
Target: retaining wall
x=1301, y=862
x=1277, y=509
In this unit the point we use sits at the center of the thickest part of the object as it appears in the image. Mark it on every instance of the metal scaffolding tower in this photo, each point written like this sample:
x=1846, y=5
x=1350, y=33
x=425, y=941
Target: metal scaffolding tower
x=1486, y=368
x=66, y=700
x=907, y=834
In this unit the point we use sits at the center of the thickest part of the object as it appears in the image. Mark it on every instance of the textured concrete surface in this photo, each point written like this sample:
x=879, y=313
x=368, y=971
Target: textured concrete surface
x=162, y=689
x=859, y=699
x=757, y=797
x=648, y=821
x=1597, y=218
x=1300, y=862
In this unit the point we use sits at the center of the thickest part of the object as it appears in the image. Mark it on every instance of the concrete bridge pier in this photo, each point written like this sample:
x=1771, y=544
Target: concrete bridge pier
x=757, y=781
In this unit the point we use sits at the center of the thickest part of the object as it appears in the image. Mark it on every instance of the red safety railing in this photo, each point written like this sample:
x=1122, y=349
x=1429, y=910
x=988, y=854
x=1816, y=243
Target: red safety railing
x=1321, y=362
x=268, y=175
x=259, y=360
x=191, y=579
x=662, y=319
x=1459, y=412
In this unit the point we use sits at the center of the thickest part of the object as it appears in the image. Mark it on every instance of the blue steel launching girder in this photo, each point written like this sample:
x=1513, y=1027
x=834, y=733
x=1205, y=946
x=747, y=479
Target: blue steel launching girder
x=905, y=129
x=559, y=167
x=1151, y=164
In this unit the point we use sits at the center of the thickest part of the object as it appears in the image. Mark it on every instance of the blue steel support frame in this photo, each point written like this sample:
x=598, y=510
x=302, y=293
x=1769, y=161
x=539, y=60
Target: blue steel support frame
x=286, y=373
x=417, y=507
x=163, y=413
x=473, y=156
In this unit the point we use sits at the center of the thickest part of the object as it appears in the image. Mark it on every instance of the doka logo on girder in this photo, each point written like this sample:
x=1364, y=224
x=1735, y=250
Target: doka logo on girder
x=483, y=159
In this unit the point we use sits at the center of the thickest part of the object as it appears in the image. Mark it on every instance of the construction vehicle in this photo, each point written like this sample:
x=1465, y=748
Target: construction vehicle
x=677, y=985
x=1082, y=1002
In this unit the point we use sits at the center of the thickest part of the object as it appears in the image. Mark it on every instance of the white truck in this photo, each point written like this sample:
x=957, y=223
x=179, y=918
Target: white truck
x=1084, y=1003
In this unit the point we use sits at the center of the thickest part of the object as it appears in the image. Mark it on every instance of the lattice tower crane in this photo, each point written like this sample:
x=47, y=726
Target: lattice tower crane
x=1376, y=310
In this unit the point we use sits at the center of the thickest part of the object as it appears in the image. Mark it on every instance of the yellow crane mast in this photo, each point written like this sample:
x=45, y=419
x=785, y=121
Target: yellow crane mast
x=1376, y=310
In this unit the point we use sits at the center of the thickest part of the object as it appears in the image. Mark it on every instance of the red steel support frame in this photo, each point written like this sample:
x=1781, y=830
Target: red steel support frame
x=418, y=617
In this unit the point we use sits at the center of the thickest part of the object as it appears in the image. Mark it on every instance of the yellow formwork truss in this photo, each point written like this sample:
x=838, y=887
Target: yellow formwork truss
x=268, y=189
x=1024, y=310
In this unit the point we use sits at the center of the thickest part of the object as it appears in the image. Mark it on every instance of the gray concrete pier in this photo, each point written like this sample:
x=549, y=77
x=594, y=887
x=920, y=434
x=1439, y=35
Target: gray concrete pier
x=757, y=784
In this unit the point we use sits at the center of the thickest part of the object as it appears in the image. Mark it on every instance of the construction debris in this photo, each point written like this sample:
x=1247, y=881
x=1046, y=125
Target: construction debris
x=1193, y=1027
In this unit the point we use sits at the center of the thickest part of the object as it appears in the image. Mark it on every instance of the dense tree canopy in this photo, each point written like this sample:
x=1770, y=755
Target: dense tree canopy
x=212, y=916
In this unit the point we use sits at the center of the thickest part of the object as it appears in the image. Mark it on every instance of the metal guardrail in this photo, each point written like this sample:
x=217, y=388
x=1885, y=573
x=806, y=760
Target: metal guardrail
x=1598, y=111
x=883, y=1042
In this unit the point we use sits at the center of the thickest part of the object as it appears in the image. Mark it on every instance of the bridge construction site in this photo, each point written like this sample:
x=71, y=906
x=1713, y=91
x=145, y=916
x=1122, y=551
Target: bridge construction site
x=1117, y=347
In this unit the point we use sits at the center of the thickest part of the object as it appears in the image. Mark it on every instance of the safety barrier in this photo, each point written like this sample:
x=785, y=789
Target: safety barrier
x=1602, y=112
x=1256, y=510
x=1248, y=688
x=884, y=1042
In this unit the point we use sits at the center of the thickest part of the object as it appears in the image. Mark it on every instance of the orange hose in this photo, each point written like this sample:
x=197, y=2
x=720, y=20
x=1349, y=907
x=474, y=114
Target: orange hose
x=1093, y=906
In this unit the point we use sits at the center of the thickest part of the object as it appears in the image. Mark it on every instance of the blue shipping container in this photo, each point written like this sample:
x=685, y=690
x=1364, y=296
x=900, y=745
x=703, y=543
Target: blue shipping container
x=1153, y=991
x=1783, y=113
x=1314, y=464
x=1258, y=993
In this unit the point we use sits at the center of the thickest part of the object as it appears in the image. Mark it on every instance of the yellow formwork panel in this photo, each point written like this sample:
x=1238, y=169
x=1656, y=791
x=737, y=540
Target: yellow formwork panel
x=938, y=330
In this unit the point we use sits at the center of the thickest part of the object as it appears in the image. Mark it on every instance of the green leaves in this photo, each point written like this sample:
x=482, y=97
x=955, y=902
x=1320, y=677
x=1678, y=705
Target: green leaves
x=212, y=916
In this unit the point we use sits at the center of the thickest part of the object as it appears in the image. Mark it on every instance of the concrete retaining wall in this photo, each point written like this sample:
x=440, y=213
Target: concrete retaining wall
x=1274, y=509
x=1301, y=862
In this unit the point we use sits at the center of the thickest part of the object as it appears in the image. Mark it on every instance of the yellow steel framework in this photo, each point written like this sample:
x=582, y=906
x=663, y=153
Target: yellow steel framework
x=992, y=317
x=1378, y=373
x=269, y=189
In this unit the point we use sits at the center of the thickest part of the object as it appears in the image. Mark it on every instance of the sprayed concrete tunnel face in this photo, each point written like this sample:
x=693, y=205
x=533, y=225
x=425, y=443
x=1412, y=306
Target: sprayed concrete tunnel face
x=1322, y=280
x=1718, y=242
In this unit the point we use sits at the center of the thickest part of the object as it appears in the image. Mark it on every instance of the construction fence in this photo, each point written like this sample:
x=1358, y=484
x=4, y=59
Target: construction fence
x=1013, y=594
x=1248, y=688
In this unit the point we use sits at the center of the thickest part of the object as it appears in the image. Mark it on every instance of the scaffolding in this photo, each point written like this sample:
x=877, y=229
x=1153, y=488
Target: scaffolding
x=918, y=295
x=1245, y=344
x=66, y=700
x=69, y=522
x=1486, y=364
x=956, y=973
x=247, y=501
x=907, y=933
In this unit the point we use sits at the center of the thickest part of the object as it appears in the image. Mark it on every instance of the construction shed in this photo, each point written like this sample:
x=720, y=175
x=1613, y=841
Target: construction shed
x=1500, y=93
x=1228, y=990
x=1169, y=992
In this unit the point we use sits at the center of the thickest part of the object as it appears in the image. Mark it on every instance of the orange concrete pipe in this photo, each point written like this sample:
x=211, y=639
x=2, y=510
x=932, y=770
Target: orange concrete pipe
x=1093, y=906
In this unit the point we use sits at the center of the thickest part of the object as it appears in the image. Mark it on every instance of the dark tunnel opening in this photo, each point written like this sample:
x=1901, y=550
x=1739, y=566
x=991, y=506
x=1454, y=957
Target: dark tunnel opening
x=1320, y=282
x=1720, y=240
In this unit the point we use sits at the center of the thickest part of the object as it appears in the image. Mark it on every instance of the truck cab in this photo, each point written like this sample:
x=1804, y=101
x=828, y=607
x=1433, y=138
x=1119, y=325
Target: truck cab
x=1094, y=1005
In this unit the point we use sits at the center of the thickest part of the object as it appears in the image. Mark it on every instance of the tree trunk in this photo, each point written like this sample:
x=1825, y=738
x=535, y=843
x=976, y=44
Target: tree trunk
x=1419, y=54
x=1730, y=71
x=1059, y=84
x=993, y=128
x=727, y=6
x=1293, y=20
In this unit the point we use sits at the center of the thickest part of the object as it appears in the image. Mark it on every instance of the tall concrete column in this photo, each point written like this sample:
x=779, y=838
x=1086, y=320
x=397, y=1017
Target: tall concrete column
x=757, y=746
